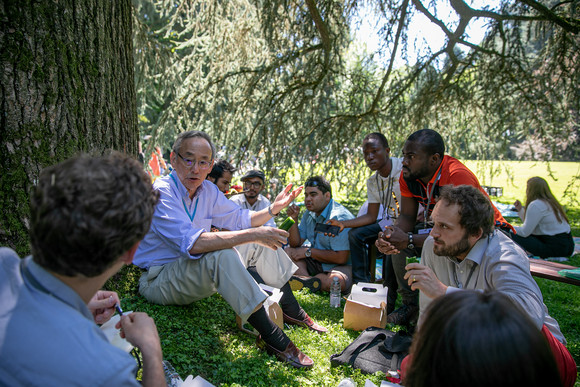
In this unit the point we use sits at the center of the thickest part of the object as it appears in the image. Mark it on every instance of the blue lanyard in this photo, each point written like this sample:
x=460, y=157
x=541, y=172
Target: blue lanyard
x=191, y=216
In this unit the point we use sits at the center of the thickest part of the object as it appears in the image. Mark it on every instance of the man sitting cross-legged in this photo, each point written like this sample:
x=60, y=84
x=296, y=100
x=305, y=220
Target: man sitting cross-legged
x=327, y=256
x=186, y=262
x=267, y=266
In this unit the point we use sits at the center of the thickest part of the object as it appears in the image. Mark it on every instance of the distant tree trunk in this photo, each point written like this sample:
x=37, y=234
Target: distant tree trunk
x=66, y=86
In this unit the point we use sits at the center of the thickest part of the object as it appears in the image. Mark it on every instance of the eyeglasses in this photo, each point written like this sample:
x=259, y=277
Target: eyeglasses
x=313, y=183
x=201, y=164
x=255, y=184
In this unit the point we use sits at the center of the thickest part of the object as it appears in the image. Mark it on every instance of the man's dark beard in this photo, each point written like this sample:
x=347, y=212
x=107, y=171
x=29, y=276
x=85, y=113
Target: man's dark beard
x=454, y=250
x=418, y=174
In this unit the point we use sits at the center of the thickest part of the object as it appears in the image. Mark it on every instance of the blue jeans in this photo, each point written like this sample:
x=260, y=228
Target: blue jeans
x=359, y=239
x=393, y=266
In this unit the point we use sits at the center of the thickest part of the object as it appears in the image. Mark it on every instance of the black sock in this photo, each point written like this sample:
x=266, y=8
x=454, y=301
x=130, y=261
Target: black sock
x=290, y=305
x=270, y=332
x=254, y=273
x=288, y=302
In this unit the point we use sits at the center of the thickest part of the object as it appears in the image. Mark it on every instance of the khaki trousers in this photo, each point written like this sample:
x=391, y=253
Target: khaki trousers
x=274, y=266
x=184, y=281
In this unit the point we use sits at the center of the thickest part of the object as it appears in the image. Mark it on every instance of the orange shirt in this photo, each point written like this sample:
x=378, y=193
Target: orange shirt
x=450, y=172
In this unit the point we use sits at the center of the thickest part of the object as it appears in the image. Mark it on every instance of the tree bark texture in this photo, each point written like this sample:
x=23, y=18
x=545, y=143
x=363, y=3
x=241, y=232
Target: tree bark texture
x=67, y=87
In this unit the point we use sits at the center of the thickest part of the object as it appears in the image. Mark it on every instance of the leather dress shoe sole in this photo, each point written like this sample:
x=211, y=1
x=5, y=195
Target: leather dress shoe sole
x=291, y=355
x=297, y=283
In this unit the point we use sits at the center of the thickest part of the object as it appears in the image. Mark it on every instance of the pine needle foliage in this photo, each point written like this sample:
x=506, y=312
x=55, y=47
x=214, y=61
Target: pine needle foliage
x=280, y=83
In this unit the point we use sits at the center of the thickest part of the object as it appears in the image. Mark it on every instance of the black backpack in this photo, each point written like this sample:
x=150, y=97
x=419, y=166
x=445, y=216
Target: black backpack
x=375, y=350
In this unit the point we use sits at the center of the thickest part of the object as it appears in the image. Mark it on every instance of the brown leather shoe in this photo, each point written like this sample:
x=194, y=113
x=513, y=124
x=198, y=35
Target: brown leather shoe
x=306, y=323
x=290, y=355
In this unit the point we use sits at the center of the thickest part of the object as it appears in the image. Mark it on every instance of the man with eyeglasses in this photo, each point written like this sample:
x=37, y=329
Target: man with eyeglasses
x=252, y=199
x=186, y=262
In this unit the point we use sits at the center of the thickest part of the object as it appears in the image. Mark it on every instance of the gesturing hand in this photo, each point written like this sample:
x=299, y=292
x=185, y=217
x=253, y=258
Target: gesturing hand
x=285, y=197
x=293, y=211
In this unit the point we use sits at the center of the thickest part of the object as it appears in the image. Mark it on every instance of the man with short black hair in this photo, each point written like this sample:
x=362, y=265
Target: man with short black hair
x=464, y=251
x=325, y=257
x=221, y=175
x=84, y=226
x=426, y=169
x=252, y=199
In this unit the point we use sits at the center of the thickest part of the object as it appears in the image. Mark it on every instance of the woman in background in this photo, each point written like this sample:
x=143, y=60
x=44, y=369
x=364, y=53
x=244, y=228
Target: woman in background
x=475, y=339
x=545, y=232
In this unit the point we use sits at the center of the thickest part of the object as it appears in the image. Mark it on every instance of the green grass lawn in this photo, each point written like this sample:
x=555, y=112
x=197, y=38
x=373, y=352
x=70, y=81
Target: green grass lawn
x=513, y=175
x=203, y=339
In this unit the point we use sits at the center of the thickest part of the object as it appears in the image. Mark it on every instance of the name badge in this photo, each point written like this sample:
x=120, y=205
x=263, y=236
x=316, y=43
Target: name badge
x=385, y=222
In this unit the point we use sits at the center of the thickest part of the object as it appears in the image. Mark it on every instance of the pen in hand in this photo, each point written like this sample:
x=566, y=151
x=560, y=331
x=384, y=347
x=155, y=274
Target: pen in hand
x=119, y=310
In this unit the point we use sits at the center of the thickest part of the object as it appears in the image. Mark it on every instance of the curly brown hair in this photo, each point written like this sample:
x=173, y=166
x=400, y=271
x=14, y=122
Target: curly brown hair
x=87, y=211
x=476, y=211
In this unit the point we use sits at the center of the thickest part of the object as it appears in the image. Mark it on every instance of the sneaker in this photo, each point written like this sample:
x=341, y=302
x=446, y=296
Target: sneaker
x=299, y=282
x=406, y=315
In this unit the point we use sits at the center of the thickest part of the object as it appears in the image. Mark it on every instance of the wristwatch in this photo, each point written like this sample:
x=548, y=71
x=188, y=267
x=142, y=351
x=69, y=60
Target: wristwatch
x=411, y=245
x=308, y=253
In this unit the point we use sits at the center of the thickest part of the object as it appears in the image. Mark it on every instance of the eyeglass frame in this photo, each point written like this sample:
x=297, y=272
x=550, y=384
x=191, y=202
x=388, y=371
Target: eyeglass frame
x=200, y=163
x=253, y=184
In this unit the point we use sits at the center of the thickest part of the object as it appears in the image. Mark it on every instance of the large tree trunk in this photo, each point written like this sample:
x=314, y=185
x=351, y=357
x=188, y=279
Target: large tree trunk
x=67, y=86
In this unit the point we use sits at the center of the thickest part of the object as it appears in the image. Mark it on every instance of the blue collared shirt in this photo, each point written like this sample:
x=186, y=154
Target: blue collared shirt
x=340, y=242
x=48, y=336
x=178, y=220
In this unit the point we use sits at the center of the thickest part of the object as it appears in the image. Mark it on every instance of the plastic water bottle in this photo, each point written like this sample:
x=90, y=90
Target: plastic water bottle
x=335, y=293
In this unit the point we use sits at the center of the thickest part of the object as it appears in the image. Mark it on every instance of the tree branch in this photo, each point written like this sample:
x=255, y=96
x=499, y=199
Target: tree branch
x=322, y=29
x=553, y=17
x=379, y=93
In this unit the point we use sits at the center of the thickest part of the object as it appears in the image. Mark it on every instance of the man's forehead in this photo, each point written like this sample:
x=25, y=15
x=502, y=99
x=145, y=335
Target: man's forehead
x=447, y=213
x=312, y=191
x=196, y=146
x=412, y=147
x=254, y=180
